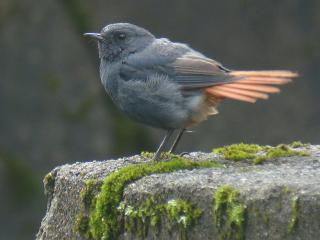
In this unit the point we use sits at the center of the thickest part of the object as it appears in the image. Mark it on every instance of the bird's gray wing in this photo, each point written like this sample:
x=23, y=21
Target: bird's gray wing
x=189, y=70
x=193, y=70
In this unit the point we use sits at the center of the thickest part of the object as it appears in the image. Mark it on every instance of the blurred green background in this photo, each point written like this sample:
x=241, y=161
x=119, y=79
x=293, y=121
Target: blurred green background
x=53, y=109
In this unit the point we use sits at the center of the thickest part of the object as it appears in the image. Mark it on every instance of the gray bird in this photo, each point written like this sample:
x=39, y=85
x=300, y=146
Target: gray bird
x=169, y=85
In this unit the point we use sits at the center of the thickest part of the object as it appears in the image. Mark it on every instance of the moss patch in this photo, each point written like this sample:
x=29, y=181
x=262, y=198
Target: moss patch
x=259, y=159
x=82, y=225
x=229, y=213
x=182, y=213
x=283, y=150
x=48, y=182
x=293, y=222
x=179, y=213
x=88, y=193
x=237, y=152
x=105, y=209
x=257, y=153
x=88, y=198
x=147, y=154
x=163, y=155
x=298, y=144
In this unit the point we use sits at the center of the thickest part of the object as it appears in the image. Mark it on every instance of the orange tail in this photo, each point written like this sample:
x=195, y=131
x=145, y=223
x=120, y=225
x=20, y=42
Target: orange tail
x=251, y=85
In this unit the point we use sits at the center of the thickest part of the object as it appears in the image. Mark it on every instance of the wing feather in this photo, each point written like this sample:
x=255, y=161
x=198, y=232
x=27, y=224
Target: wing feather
x=194, y=70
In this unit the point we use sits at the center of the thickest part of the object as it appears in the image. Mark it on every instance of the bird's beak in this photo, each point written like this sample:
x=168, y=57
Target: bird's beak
x=96, y=36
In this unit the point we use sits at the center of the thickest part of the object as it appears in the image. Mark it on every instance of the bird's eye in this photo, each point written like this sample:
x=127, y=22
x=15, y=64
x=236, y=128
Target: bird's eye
x=121, y=36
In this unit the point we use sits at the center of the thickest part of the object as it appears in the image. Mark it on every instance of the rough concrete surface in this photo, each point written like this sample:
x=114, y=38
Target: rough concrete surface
x=274, y=193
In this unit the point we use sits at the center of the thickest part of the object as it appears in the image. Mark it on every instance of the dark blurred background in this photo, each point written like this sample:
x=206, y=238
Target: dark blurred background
x=53, y=109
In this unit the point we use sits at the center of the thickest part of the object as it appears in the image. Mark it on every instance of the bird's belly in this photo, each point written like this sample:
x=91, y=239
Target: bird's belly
x=155, y=104
x=202, y=110
x=155, y=115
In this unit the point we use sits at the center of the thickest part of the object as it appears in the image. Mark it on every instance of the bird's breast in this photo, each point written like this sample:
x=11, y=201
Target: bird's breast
x=109, y=73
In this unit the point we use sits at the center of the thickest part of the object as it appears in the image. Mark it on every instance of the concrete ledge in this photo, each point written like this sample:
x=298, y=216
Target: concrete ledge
x=203, y=197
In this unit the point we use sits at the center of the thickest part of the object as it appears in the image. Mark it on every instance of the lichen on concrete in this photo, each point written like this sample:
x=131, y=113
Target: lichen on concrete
x=89, y=192
x=48, y=183
x=88, y=197
x=82, y=225
x=149, y=214
x=293, y=221
x=229, y=213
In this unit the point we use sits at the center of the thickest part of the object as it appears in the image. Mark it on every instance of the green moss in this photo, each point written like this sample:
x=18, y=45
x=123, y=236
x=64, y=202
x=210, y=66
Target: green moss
x=163, y=155
x=286, y=190
x=283, y=151
x=266, y=218
x=237, y=152
x=259, y=215
x=89, y=192
x=88, y=198
x=293, y=222
x=82, y=225
x=147, y=154
x=48, y=183
x=256, y=153
x=229, y=213
x=182, y=213
x=103, y=222
x=259, y=159
x=179, y=213
x=298, y=144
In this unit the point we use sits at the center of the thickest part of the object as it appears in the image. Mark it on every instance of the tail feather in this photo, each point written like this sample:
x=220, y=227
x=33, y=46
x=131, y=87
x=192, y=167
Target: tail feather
x=249, y=86
x=216, y=93
x=244, y=92
x=256, y=87
x=270, y=73
x=266, y=81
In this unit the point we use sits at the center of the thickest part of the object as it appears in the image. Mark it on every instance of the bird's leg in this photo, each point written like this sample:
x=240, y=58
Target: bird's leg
x=163, y=144
x=176, y=141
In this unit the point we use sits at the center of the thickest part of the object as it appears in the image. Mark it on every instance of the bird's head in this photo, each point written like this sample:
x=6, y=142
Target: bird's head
x=117, y=41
